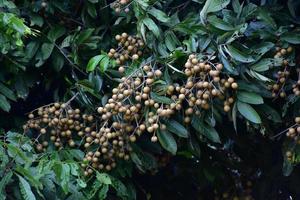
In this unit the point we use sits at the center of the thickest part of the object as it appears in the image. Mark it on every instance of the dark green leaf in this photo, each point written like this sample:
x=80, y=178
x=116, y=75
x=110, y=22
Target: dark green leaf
x=25, y=189
x=212, y=6
x=176, y=128
x=161, y=99
x=7, y=92
x=262, y=65
x=158, y=14
x=291, y=37
x=205, y=130
x=4, y=104
x=167, y=141
x=250, y=97
x=46, y=50
x=239, y=55
x=103, y=192
x=55, y=33
x=150, y=24
x=219, y=23
x=248, y=112
x=103, y=178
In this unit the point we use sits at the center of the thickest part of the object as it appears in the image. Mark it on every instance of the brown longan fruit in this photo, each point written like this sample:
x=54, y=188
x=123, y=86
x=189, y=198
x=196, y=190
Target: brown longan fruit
x=135, y=56
x=154, y=139
x=226, y=108
x=234, y=85
x=43, y=131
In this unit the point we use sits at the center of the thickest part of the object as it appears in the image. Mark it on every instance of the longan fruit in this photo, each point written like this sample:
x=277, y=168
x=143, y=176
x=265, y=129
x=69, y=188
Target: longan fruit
x=234, y=85
x=226, y=108
x=154, y=139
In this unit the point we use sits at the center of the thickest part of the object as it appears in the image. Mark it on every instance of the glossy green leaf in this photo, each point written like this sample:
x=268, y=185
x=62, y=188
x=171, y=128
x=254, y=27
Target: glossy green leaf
x=93, y=62
x=248, y=112
x=46, y=50
x=104, y=64
x=205, y=130
x=8, y=93
x=212, y=6
x=291, y=37
x=249, y=97
x=4, y=104
x=103, y=178
x=55, y=33
x=25, y=189
x=176, y=128
x=167, y=141
x=150, y=24
x=239, y=55
x=158, y=14
x=161, y=99
x=262, y=65
x=219, y=23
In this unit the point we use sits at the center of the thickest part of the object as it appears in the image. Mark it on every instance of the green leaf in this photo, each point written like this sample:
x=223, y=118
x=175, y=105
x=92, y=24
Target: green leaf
x=287, y=167
x=150, y=24
x=205, y=130
x=212, y=6
x=291, y=37
x=55, y=33
x=158, y=14
x=265, y=15
x=4, y=181
x=194, y=146
x=250, y=97
x=248, y=112
x=120, y=188
x=25, y=189
x=258, y=76
x=92, y=10
x=93, y=62
x=219, y=23
x=4, y=104
x=263, y=47
x=102, y=194
x=176, y=128
x=57, y=61
x=167, y=141
x=46, y=50
x=160, y=99
x=104, y=64
x=239, y=55
x=7, y=92
x=103, y=178
x=270, y=113
x=171, y=40
x=262, y=65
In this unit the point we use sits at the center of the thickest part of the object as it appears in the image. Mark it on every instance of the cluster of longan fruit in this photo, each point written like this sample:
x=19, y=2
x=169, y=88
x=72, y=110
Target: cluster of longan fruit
x=281, y=52
x=282, y=75
x=118, y=5
x=278, y=87
x=131, y=107
x=64, y=126
x=293, y=133
x=137, y=105
x=129, y=48
x=296, y=88
x=204, y=84
x=294, y=130
x=58, y=119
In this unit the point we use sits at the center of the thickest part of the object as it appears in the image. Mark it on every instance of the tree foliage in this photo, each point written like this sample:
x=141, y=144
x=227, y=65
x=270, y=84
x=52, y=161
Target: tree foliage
x=203, y=91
